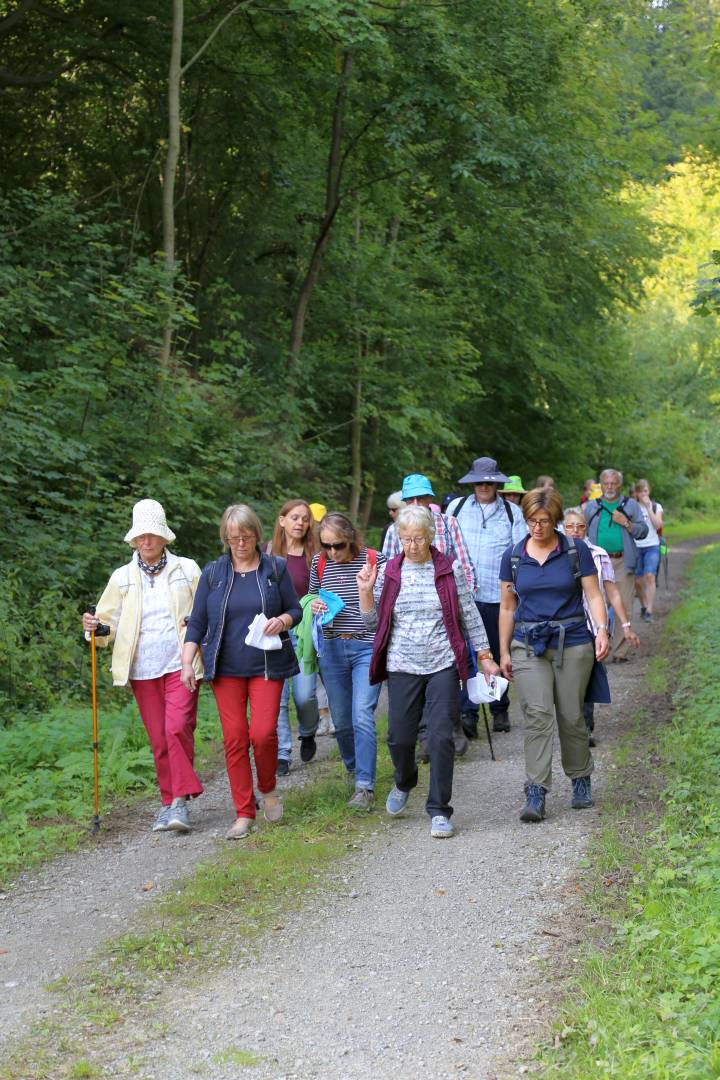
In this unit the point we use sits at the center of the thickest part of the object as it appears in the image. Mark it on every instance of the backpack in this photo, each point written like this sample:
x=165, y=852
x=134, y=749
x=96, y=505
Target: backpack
x=322, y=562
x=572, y=554
x=599, y=509
x=506, y=504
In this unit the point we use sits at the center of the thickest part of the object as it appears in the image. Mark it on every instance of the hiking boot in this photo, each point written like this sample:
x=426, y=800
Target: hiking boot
x=283, y=767
x=647, y=616
x=178, y=817
x=501, y=721
x=363, y=799
x=308, y=748
x=581, y=793
x=469, y=723
x=161, y=821
x=396, y=800
x=534, y=808
x=441, y=827
x=459, y=740
x=591, y=739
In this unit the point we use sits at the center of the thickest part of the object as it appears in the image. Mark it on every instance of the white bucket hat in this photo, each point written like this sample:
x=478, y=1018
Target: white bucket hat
x=149, y=517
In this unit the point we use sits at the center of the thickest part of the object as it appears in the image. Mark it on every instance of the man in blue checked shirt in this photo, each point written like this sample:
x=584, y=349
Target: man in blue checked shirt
x=489, y=526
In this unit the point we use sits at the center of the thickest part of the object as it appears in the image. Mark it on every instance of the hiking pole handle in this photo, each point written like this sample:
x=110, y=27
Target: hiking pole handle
x=101, y=630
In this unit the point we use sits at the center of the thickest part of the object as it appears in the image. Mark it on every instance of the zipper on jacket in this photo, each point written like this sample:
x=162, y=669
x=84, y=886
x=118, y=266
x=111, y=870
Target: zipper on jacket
x=222, y=619
x=262, y=605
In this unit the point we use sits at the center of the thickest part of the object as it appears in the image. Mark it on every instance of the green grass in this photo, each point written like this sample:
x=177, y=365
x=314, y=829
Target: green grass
x=647, y=1004
x=46, y=775
x=693, y=529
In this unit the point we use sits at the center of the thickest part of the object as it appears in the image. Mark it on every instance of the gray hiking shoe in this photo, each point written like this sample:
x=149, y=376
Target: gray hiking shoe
x=161, y=821
x=363, y=799
x=178, y=818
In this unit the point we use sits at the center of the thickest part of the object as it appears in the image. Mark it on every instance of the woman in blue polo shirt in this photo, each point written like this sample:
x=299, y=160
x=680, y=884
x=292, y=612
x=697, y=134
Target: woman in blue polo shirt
x=546, y=647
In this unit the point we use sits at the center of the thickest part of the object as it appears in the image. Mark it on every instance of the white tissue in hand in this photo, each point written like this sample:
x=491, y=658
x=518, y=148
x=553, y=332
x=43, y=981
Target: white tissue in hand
x=258, y=639
x=481, y=692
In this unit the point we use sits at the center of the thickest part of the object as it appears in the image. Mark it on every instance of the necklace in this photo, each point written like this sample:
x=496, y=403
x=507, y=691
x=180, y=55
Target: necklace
x=153, y=571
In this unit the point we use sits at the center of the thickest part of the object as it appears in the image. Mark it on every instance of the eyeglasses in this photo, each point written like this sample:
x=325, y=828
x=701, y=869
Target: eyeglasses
x=334, y=547
x=418, y=541
x=575, y=526
x=539, y=523
x=244, y=538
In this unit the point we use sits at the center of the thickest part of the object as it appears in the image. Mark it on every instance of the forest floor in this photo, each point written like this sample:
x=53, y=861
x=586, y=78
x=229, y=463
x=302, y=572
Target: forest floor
x=414, y=958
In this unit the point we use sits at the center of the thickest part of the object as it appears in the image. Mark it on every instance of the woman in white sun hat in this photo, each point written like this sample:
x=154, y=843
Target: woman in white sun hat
x=145, y=605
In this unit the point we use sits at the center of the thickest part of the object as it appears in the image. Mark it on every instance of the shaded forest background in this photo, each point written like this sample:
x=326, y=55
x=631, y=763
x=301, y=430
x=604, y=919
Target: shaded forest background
x=257, y=250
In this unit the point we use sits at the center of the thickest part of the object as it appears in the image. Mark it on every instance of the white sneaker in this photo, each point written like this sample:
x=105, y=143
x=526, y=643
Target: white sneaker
x=325, y=727
x=441, y=827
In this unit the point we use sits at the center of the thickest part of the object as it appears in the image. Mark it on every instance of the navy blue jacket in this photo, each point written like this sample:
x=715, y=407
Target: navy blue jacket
x=207, y=622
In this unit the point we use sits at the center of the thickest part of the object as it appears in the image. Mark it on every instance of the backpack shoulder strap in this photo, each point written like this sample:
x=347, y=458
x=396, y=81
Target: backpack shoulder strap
x=321, y=564
x=372, y=556
x=515, y=560
x=508, y=511
x=459, y=506
x=598, y=510
x=574, y=559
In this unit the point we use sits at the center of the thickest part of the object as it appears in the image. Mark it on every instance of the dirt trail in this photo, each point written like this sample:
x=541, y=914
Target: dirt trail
x=424, y=960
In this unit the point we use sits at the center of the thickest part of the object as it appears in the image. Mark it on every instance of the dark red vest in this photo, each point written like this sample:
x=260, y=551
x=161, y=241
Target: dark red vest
x=447, y=591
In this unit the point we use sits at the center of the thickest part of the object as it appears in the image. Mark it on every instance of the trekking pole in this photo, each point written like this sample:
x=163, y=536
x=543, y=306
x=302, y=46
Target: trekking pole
x=487, y=732
x=103, y=631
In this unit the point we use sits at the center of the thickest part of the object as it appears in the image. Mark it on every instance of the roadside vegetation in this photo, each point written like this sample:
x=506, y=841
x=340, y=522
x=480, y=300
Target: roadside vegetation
x=646, y=1004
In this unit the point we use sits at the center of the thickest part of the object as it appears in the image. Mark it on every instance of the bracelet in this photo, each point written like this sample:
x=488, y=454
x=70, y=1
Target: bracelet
x=487, y=655
x=625, y=625
x=603, y=627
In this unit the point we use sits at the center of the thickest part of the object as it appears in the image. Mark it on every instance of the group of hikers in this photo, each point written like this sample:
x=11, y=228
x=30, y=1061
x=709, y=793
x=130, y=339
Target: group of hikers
x=495, y=586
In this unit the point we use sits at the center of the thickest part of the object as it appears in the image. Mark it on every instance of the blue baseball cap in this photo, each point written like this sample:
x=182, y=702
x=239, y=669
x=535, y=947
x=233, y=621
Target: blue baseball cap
x=415, y=485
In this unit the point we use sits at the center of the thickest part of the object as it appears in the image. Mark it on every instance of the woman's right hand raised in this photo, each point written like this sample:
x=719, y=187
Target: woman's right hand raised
x=367, y=577
x=506, y=665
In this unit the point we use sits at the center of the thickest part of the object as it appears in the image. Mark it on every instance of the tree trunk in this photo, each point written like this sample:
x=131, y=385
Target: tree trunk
x=356, y=437
x=169, y=174
x=332, y=205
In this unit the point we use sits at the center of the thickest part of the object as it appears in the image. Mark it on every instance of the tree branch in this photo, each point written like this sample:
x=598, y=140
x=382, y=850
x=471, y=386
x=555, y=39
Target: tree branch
x=213, y=34
x=21, y=12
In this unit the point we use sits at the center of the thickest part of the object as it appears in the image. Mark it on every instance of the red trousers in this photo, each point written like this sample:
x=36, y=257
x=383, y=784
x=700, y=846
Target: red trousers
x=169, y=713
x=232, y=694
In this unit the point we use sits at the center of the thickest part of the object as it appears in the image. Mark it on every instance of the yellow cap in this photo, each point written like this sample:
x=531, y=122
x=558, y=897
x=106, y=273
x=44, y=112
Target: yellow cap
x=318, y=511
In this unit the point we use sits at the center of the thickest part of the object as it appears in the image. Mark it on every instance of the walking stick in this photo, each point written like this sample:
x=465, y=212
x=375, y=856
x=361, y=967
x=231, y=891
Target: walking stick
x=103, y=631
x=487, y=732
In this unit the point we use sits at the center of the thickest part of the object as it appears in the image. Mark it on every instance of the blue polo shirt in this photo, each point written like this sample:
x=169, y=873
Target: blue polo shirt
x=549, y=591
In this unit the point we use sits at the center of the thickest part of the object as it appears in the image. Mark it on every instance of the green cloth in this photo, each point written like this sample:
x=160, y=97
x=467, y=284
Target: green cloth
x=304, y=649
x=609, y=534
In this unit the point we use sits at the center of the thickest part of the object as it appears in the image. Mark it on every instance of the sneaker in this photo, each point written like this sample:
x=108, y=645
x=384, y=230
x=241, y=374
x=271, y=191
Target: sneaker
x=501, y=721
x=534, y=808
x=459, y=740
x=396, y=801
x=642, y=611
x=308, y=748
x=241, y=829
x=178, y=817
x=325, y=727
x=647, y=615
x=581, y=793
x=283, y=767
x=469, y=723
x=363, y=799
x=441, y=827
x=161, y=821
x=273, y=810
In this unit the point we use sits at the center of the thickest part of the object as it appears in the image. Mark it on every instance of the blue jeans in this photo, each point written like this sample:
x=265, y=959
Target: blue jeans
x=306, y=707
x=345, y=667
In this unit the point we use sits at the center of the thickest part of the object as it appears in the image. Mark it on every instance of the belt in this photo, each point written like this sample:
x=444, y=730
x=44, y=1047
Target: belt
x=345, y=637
x=616, y=554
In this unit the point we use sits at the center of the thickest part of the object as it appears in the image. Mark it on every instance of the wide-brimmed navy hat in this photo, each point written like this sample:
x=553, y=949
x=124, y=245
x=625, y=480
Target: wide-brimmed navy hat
x=485, y=469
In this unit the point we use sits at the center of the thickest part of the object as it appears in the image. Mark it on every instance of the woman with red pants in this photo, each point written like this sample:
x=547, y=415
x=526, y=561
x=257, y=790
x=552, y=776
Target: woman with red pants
x=233, y=590
x=145, y=605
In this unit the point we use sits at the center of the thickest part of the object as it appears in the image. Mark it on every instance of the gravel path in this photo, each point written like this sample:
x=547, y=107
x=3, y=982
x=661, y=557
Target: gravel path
x=424, y=958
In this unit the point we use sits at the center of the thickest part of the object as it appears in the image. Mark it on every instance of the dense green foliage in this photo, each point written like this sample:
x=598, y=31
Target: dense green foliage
x=649, y=1007
x=404, y=234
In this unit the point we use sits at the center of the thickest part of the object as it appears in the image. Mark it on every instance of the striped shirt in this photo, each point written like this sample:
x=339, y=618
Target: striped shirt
x=448, y=539
x=340, y=578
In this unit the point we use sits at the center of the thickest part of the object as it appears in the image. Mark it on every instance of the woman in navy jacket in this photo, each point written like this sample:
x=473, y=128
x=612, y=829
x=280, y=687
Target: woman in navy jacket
x=232, y=591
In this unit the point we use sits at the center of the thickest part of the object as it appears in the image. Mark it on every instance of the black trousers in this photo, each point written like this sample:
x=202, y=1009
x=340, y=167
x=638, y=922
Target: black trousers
x=490, y=615
x=435, y=696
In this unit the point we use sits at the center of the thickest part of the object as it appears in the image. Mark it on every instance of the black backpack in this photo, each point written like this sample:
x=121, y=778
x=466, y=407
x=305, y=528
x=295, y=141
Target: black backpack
x=508, y=511
x=599, y=509
x=572, y=554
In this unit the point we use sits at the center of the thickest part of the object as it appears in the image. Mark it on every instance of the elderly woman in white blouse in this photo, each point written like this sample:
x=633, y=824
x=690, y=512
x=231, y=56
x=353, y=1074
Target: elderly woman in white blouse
x=424, y=611
x=145, y=605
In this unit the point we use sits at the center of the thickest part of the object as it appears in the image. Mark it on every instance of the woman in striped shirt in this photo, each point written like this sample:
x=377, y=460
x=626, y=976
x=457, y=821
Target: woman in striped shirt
x=347, y=649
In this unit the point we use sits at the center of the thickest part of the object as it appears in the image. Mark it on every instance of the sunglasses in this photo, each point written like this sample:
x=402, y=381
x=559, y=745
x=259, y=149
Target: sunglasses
x=334, y=547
